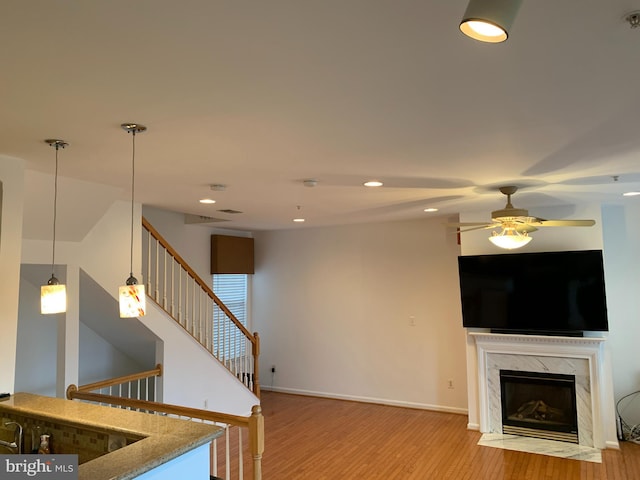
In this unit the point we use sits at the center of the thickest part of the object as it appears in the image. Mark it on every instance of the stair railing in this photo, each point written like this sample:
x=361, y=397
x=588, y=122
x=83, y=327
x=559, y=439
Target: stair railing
x=181, y=293
x=223, y=455
x=138, y=386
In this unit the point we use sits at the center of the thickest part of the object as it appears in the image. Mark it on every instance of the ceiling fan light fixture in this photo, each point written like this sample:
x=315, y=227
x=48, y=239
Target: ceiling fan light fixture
x=509, y=238
x=489, y=21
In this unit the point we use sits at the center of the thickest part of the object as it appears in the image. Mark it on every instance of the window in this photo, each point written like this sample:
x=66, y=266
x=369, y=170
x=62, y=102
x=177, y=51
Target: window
x=231, y=289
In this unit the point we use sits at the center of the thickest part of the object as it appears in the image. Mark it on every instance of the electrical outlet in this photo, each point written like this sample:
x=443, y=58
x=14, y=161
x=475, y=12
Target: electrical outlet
x=412, y=321
x=273, y=369
x=450, y=384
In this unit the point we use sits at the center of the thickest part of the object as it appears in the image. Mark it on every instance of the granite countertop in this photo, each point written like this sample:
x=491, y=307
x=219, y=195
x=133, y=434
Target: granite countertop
x=164, y=438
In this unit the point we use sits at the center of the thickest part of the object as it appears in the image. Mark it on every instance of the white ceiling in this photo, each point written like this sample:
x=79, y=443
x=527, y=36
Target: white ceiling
x=260, y=95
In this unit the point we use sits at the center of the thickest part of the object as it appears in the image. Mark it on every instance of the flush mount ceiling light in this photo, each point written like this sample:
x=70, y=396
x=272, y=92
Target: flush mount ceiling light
x=53, y=295
x=207, y=200
x=373, y=183
x=509, y=238
x=630, y=194
x=489, y=20
x=131, y=296
x=430, y=210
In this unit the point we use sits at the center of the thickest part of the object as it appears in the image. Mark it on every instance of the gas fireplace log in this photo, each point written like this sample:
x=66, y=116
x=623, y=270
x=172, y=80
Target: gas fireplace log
x=538, y=410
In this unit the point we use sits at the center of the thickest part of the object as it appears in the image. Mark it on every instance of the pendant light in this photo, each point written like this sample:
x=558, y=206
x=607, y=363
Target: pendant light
x=53, y=295
x=131, y=296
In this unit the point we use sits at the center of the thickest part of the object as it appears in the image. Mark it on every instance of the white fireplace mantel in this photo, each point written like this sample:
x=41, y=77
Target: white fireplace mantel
x=583, y=356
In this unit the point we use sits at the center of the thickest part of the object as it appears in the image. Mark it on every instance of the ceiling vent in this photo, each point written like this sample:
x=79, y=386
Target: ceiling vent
x=191, y=219
x=229, y=210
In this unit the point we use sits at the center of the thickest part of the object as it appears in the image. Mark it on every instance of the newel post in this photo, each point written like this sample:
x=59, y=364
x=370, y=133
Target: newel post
x=256, y=440
x=256, y=364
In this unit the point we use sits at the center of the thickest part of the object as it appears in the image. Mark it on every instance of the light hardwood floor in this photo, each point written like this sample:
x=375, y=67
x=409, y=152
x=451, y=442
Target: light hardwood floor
x=316, y=438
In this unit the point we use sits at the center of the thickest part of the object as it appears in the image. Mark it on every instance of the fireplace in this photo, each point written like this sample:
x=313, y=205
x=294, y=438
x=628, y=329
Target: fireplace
x=539, y=404
x=583, y=357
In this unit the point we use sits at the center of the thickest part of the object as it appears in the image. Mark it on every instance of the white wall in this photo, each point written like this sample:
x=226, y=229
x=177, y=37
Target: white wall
x=334, y=309
x=36, y=345
x=191, y=376
x=104, y=255
x=37, y=349
x=12, y=178
x=622, y=269
x=101, y=360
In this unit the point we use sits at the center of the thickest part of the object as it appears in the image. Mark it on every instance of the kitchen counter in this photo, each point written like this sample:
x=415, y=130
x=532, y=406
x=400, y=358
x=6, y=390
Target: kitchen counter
x=161, y=439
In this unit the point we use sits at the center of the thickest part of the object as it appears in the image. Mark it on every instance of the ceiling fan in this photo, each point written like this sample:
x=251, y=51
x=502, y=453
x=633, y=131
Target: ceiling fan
x=516, y=223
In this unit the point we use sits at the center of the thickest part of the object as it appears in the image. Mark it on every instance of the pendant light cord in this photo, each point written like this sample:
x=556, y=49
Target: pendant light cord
x=55, y=213
x=133, y=177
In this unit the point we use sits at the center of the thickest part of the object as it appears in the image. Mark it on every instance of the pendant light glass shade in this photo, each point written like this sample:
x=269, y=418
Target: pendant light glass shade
x=53, y=295
x=132, y=297
x=489, y=20
x=509, y=238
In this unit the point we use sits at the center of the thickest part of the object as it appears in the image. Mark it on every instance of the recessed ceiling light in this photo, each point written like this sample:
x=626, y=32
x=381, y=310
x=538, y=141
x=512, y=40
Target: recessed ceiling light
x=631, y=194
x=430, y=210
x=373, y=183
x=207, y=200
x=298, y=220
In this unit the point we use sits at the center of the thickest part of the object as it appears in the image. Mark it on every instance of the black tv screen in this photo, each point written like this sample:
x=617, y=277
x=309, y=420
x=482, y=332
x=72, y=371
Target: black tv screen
x=547, y=293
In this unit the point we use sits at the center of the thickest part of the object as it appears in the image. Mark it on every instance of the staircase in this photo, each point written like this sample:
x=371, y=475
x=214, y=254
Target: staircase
x=186, y=298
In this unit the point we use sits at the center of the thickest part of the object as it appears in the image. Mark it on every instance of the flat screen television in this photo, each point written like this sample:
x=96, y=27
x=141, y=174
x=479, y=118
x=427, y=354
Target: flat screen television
x=551, y=293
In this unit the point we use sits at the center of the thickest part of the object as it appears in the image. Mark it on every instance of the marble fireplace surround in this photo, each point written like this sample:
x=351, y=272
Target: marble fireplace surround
x=583, y=357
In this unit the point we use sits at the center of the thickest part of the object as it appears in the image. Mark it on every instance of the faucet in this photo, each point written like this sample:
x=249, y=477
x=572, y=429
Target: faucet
x=17, y=438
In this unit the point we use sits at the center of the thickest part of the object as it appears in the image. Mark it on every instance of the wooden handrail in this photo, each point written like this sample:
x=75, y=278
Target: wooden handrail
x=73, y=393
x=254, y=422
x=197, y=279
x=156, y=372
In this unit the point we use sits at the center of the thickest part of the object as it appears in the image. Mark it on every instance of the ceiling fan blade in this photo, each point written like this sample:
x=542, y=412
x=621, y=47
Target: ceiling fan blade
x=565, y=223
x=467, y=224
x=480, y=227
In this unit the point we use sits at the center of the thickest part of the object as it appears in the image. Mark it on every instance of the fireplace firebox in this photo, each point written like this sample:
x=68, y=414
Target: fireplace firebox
x=541, y=405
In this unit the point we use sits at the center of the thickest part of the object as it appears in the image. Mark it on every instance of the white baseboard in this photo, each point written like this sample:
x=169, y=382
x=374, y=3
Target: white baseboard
x=473, y=426
x=379, y=401
x=611, y=444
